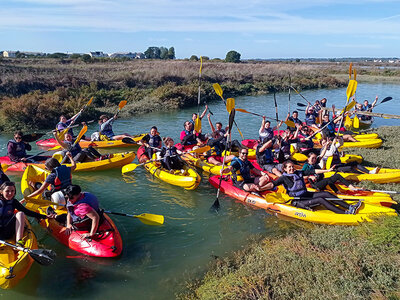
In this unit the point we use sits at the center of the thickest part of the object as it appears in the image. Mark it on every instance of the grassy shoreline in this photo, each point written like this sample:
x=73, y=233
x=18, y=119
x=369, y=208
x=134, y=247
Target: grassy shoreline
x=316, y=261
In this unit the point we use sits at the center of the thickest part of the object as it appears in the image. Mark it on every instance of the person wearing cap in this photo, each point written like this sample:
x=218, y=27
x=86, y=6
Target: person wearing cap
x=311, y=116
x=105, y=129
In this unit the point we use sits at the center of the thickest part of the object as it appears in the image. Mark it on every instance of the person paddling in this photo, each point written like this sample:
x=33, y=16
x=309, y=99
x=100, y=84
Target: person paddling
x=12, y=214
x=170, y=154
x=106, y=132
x=293, y=181
x=194, y=115
x=265, y=157
x=64, y=123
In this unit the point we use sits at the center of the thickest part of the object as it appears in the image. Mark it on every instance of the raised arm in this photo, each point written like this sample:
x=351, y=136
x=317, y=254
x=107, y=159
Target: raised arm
x=204, y=112
x=211, y=124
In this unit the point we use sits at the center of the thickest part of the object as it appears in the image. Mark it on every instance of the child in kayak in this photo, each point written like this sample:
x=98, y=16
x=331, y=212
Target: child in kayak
x=105, y=129
x=293, y=181
x=64, y=123
x=59, y=179
x=152, y=142
x=170, y=154
x=12, y=223
x=194, y=115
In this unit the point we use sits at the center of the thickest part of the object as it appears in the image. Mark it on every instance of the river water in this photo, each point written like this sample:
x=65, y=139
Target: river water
x=157, y=260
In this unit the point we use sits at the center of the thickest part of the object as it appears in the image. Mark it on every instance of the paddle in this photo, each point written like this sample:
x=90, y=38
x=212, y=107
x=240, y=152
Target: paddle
x=356, y=122
x=44, y=257
x=288, y=122
x=383, y=101
x=145, y=218
x=301, y=104
x=300, y=94
x=62, y=134
x=350, y=67
x=215, y=207
x=6, y=166
x=121, y=106
x=290, y=83
x=81, y=133
x=219, y=92
x=387, y=192
x=276, y=107
x=350, y=91
x=197, y=124
x=131, y=167
x=31, y=137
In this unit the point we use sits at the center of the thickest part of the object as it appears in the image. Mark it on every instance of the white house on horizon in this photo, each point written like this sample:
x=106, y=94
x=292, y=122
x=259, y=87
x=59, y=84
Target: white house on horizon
x=9, y=53
x=131, y=55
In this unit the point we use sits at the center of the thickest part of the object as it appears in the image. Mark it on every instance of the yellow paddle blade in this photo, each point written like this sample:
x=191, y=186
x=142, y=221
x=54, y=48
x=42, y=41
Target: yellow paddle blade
x=348, y=107
x=150, y=219
x=242, y=110
x=328, y=164
x=122, y=104
x=348, y=122
x=197, y=124
x=4, y=167
x=58, y=156
x=201, y=64
x=299, y=157
x=129, y=168
x=218, y=89
x=355, y=74
x=89, y=102
x=290, y=123
x=350, y=67
x=356, y=122
x=55, y=148
x=230, y=104
x=83, y=131
x=201, y=150
x=351, y=89
x=318, y=136
x=62, y=134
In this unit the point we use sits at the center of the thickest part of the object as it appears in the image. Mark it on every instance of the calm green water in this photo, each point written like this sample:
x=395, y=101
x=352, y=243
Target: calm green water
x=156, y=261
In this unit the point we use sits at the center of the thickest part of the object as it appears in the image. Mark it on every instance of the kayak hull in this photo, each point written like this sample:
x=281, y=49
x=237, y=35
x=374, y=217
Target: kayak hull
x=189, y=180
x=117, y=160
x=50, y=143
x=106, y=243
x=274, y=202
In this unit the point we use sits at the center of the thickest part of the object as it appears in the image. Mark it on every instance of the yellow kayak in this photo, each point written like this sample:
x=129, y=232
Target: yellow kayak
x=278, y=202
x=14, y=265
x=384, y=176
x=186, y=178
x=367, y=143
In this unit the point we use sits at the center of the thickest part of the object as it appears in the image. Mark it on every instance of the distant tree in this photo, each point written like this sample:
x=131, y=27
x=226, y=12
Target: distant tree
x=76, y=56
x=205, y=58
x=297, y=59
x=19, y=54
x=86, y=58
x=194, y=57
x=232, y=56
x=57, y=55
x=163, y=53
x=171, y=53
x=152, y=52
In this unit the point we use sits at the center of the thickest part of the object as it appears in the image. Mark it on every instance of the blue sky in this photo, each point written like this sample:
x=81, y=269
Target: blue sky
x=254, y=28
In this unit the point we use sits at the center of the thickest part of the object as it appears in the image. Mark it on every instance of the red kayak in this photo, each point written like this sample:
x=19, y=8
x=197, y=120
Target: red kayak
x=15, y=167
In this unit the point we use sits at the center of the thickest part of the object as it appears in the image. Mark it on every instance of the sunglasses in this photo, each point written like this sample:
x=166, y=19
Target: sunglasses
x=244, y=153
x=18, y=137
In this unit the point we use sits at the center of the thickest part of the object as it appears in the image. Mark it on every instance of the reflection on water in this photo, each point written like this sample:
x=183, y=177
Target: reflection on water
x=156, y=260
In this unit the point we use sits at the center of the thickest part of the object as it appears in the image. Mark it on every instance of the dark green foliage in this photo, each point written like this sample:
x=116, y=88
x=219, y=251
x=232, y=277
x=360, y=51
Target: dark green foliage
x=232, y=56
x=171, y=53
x=194, y=57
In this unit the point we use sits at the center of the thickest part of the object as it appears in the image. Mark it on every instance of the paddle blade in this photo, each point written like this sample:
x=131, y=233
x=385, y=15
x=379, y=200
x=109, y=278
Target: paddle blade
x=89, y=102
x=129, y=168
x=386, y=99
x=355, y=74
x=201, y=64
x=44, y=257
x=216, y=206
x=128, y=140
x=242, y=110
x=348, y=122
x=58, y=156
x=301, y=104
x=290, y=123
x=230, y=104
x=32, y=137
x=80, y=135
x=231, y=120
x=351, y=89
x=200, y=150
x=122, y=104
x=150, y=219
x=328, y=164
x=218, y=89
x=356, y=122
x=62, y=134
x=197, y=124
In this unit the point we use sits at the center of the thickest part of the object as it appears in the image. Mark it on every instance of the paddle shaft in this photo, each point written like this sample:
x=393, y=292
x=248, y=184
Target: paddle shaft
x=73, y=126
x=299, y=94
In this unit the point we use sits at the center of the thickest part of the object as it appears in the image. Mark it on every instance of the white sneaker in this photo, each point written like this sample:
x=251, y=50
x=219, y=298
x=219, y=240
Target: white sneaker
x=375, y=171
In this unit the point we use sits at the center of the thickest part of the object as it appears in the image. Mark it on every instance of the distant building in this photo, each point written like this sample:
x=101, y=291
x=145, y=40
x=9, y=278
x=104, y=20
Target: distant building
x=9, y=53
x=97, y=54
x=131, y=55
